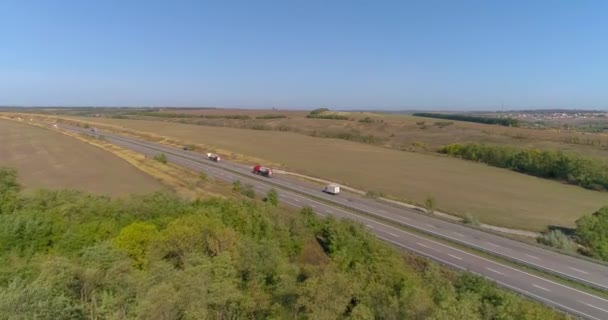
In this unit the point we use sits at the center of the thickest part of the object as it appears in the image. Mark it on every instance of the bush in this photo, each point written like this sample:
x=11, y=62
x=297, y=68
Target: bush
x=366, y=120
x=248, y=191
x=161, y=157
x=203, y=176
x=472, y=220
x=374, y=194
x=318, y=111
x=418, y=144
x=430, y=205
x=9, y=189
x=443, y=124
x=272, y=197
x=189, y=147
x=237, y=186
x=559, y=240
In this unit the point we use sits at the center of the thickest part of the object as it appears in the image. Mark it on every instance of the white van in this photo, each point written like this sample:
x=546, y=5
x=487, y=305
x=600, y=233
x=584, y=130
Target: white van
x=332, y=189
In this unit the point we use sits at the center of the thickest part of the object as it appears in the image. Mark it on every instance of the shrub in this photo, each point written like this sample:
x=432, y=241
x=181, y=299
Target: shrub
x=418, y=144
x=190, y=147
x=318, y=111
x=259, y=126
x=161, y=157
x=430, y=205
x=374, y=194
x=237, y=186
x=443, y=124
x=203, y=176
x=272, y=197
x=248, y=191
x=472, y=220
x=559, y=240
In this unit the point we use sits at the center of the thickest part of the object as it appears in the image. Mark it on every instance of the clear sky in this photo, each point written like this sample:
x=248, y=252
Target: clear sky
x=302, y=54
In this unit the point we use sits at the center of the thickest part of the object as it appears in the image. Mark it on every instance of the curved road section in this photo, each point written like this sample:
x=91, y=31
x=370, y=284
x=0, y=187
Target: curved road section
x=384, y=220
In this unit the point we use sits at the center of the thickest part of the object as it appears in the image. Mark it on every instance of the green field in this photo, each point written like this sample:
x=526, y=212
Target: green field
x=497, y=196
x=46, y=159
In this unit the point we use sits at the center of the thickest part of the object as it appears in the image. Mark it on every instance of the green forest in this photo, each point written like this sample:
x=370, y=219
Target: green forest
x=71, y=255
x=507, y=122
x=585, y=172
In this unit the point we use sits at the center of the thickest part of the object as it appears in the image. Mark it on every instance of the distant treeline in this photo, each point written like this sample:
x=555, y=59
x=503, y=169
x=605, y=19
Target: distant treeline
x=585, y=172
x=327, y=116
x=187, y=115
x=507, y=122
x=271, y=116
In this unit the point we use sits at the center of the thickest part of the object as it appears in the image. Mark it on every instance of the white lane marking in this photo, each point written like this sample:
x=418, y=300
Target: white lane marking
x=533, y=257
x=328, y=211
x=542, y=288
x=495, y=245
x=528, y=293
x=592, y=306
x=394, y=235
x=370, y=226
x=422, y=245
x=459, y=234
x=296, y=199
x=495, y=271
x=451, y=248
x=579, y=270
x=455, y=257
x=313, y=206
x=430, y=225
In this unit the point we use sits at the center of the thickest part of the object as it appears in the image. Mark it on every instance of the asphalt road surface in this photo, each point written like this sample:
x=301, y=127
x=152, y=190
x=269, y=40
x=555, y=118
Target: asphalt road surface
x=384, y=220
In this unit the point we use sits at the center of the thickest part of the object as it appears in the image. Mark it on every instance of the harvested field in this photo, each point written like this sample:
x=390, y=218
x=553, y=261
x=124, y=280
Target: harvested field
x=46, y=159
x=496, y=196
x=393, y=131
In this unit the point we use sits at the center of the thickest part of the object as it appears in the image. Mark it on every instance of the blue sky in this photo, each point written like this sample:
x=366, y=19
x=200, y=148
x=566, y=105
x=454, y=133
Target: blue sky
x=305, y=54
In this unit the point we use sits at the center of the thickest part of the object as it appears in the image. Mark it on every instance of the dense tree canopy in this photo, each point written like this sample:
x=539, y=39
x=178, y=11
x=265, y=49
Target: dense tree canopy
x=70, y=255
x=592, y=231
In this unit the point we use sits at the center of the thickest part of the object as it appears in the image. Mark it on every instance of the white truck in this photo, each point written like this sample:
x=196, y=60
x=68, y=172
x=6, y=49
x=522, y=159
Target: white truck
x=333, y=189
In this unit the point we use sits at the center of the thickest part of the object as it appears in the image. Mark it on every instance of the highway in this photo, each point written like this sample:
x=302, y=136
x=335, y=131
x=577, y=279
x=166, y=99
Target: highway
x=384, y=220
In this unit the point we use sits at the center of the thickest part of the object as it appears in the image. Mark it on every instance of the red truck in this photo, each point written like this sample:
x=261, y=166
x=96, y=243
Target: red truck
x=263, y=171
